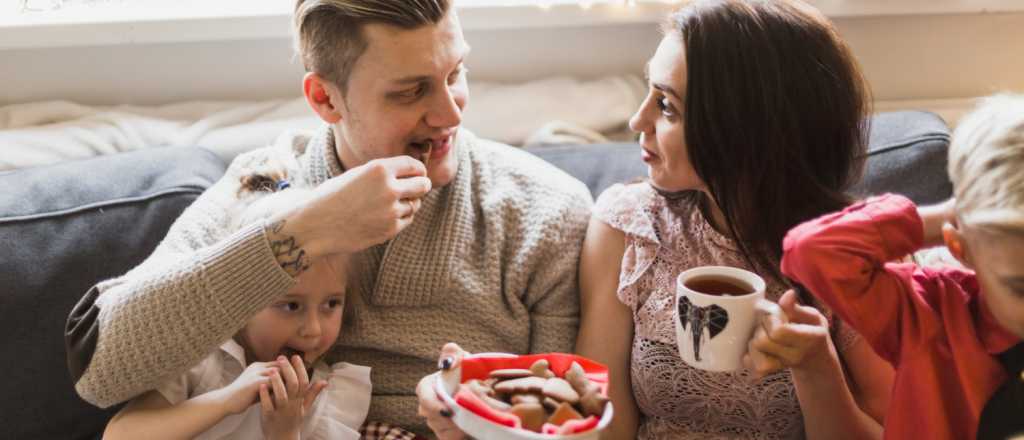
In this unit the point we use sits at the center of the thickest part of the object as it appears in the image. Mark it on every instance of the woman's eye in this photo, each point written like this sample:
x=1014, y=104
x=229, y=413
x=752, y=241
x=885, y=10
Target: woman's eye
x=666, y=107
x=333, y=304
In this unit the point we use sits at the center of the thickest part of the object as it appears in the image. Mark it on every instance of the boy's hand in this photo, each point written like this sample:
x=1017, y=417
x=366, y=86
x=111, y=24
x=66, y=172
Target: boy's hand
x=283, y=413
x=244, y=391
x=933, y=217
x=795, y=336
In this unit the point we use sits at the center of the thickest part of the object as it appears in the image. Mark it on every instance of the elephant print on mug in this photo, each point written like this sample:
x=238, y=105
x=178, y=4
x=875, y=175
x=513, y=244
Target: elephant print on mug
x=695, y=319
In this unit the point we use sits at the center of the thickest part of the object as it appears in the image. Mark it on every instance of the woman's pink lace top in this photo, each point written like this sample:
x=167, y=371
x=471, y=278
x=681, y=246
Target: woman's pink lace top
x=676, y=401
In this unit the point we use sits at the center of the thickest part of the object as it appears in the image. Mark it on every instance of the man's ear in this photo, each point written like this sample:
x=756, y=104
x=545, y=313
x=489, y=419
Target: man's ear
x=953, y=235
x=322, y=95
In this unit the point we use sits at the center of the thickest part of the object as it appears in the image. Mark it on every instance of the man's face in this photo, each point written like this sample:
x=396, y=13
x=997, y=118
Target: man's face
x=405, y=95
x=998, y=260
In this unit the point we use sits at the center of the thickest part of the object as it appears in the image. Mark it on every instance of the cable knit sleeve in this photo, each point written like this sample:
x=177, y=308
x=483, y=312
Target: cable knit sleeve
x=552, y=295
x=197, y=289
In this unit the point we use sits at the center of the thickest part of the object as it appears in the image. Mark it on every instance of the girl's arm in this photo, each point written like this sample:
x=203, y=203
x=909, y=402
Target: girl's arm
x=151, y=417
x=606, y=325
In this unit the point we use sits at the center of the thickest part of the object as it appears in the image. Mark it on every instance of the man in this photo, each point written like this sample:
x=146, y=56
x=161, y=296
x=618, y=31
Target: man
x=476, y=242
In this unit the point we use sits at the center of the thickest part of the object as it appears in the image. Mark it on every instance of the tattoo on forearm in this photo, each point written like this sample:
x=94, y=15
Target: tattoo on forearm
x=292, y=258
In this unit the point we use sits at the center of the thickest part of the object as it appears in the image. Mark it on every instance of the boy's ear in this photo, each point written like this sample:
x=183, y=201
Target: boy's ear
x=955, y=242
x=321, y=96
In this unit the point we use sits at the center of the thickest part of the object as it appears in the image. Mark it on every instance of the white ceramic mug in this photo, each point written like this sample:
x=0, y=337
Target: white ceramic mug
x=712, y=331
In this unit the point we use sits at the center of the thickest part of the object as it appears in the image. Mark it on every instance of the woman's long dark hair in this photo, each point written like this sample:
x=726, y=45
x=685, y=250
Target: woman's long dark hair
x=776, y=116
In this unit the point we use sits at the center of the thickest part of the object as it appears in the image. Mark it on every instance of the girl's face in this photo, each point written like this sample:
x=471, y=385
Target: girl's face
x=306, y=321
x=660, y=120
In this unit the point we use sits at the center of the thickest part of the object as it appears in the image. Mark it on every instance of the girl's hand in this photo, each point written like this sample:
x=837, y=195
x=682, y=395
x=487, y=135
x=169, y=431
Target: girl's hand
x=438, y=415
x=795, y=336
x=244, y=391
x=282, y=414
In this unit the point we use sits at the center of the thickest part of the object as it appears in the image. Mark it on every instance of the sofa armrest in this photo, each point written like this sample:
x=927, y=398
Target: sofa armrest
x=63, y=228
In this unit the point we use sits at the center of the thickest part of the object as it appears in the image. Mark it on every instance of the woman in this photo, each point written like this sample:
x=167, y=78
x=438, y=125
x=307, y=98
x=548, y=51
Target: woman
x=754, y=122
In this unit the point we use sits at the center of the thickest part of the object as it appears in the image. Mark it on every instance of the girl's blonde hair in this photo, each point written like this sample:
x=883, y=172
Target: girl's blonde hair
x=986, y=165
x=271, y=186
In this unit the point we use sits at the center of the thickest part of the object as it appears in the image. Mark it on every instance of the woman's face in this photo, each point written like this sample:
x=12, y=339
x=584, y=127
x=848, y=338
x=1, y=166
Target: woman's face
x=660, y=121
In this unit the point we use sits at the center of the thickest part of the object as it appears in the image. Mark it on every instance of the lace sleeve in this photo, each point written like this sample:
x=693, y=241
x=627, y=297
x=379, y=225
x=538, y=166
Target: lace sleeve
x=609, y=207
x=627, y=208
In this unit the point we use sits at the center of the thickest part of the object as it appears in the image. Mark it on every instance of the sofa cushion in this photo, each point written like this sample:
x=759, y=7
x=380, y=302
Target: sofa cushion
x=62, y=229
x=906, y=155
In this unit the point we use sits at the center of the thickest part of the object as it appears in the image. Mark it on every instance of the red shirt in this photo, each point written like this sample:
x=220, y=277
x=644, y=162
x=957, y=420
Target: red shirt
x=930, y=324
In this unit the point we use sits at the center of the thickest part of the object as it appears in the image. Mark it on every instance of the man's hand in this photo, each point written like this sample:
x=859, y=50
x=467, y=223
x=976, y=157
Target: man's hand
x=794, y=336
x=431, y=407
x=282, y=414
x=362, y=207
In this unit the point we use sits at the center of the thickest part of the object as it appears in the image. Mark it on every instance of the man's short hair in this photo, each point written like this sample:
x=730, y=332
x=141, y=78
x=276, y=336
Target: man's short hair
x=329, y=37
x=986, y=165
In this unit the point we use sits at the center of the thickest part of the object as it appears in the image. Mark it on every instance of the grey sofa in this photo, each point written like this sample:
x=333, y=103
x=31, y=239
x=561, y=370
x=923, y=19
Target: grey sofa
x=65, y=227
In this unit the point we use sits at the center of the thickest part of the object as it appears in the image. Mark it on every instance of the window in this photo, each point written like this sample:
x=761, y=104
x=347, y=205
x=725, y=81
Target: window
x=60, y=23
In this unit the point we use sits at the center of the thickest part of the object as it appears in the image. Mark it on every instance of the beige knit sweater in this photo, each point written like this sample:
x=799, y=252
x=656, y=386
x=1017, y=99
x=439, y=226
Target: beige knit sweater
x=489, y=262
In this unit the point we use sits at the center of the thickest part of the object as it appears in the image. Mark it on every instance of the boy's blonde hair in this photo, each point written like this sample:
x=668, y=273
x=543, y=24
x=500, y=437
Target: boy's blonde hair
x=986, y=165
x=329, y=37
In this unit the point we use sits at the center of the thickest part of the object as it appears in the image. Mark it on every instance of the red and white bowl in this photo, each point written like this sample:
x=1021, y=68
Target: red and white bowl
x=478, y=366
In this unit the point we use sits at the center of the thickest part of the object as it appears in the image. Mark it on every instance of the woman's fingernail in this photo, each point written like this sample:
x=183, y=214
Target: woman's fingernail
x=446, y=363
x=446, y=412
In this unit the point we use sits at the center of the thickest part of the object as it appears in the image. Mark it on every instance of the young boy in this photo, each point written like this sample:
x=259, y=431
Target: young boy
x=953, y=335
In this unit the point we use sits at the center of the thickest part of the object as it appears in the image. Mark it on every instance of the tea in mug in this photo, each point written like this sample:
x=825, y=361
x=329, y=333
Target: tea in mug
x=719, y=286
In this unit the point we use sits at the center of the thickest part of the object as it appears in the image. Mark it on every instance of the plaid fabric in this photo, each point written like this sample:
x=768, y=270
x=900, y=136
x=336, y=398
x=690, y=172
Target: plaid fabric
x=384, y=431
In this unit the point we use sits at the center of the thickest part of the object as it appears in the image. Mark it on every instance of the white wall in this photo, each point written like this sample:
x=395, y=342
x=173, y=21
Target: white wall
x=907, y=57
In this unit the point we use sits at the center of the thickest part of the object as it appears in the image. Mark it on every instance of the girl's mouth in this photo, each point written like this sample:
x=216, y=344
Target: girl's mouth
x=288, y=352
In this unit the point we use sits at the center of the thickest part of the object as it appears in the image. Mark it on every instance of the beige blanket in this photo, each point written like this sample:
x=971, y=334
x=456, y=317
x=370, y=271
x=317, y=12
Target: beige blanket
x=554, y=110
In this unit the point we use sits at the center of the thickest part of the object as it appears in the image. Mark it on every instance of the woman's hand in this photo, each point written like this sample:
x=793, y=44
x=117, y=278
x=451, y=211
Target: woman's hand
x=794, y=336
x=437, y=413
x=282, y=414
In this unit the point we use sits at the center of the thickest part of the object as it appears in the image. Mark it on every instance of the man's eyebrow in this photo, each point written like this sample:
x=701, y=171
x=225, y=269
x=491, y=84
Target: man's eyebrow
x=413, y=79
